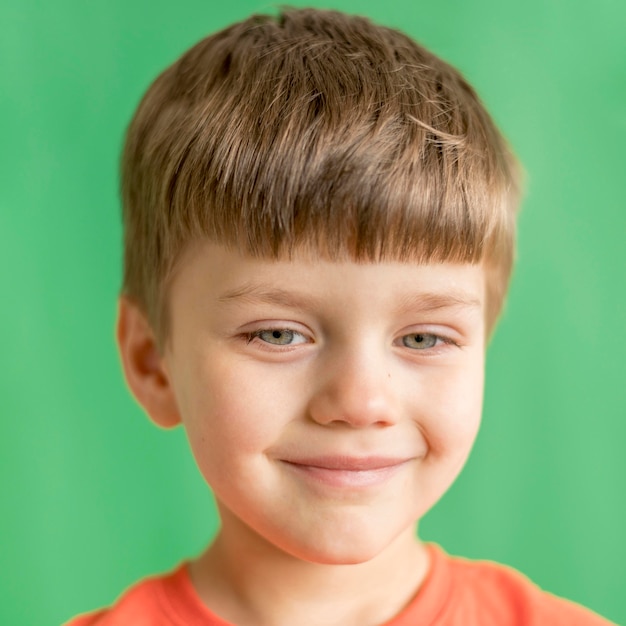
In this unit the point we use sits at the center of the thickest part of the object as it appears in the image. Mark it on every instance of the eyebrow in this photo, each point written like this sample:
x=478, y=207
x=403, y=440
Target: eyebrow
x=418, y=302
x=268, y=295
x=428, y=302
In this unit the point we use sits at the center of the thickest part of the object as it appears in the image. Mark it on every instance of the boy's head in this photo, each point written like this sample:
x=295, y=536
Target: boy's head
x=321, y=131
x=319, y=221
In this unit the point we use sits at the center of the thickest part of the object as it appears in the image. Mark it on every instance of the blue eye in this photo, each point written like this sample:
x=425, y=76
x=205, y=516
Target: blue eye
x=420, y=341
x=279, y=336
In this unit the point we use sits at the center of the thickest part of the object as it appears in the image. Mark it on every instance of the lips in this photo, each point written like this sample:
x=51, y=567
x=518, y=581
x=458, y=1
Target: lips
x=348, y=463
x=346, y=471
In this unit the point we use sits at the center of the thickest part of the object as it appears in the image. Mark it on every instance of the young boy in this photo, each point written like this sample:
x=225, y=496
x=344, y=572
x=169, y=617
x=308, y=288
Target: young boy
x=319, y=227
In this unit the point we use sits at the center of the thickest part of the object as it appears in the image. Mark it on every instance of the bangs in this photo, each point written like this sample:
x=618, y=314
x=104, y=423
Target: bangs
x=367, y=200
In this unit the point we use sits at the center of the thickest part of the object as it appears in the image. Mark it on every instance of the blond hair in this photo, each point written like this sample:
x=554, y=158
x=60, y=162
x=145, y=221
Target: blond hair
x=320, y=130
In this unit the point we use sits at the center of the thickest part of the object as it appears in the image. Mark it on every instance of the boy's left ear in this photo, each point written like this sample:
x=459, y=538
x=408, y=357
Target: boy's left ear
x=143, y=365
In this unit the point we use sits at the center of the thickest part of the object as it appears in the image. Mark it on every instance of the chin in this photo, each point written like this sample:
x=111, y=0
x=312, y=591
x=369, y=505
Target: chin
x=338, y=548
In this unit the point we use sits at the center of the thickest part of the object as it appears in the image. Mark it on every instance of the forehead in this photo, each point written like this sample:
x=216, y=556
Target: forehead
x=224, y=276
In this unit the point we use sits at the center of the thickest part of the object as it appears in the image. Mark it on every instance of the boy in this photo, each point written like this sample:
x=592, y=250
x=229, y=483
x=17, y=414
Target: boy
x=319, y=227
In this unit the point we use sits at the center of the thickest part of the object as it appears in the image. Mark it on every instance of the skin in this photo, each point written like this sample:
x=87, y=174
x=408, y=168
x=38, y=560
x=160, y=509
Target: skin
x=329, y=405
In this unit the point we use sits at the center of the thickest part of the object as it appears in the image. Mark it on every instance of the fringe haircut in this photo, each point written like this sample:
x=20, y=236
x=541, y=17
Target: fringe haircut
x=317, y=130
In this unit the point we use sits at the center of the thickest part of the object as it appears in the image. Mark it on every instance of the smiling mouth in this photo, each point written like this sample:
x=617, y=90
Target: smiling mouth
x=347, y=472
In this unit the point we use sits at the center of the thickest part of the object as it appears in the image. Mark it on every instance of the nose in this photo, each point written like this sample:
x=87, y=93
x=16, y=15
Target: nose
x=357, y=390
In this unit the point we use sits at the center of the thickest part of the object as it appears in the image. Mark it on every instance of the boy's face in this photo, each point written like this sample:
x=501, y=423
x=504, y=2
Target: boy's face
x=329, y=405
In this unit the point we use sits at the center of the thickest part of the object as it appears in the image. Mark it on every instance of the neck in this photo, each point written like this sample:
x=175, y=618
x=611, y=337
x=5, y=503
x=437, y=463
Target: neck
x=248, y=581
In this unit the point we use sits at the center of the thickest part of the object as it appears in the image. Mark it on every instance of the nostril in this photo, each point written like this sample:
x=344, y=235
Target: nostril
x=356, y=410
x=355, y=387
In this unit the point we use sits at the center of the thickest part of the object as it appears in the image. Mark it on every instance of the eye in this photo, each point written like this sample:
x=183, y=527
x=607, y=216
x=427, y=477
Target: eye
x=278, y=336
x=420, y=341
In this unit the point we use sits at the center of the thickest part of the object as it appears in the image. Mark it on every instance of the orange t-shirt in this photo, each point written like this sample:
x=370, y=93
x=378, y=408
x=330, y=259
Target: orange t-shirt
x=456, y=592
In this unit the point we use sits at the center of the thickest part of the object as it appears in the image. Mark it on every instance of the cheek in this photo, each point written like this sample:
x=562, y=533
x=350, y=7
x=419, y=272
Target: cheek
x=456, y=402
x=231, y=412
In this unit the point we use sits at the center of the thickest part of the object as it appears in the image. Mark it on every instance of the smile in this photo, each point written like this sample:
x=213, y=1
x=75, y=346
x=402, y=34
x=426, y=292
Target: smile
x=347, y=472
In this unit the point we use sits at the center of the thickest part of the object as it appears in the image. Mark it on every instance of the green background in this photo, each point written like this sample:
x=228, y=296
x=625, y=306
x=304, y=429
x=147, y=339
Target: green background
x=94, y=497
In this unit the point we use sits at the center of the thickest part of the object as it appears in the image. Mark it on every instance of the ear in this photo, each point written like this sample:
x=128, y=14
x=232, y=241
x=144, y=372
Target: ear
x=143, y=365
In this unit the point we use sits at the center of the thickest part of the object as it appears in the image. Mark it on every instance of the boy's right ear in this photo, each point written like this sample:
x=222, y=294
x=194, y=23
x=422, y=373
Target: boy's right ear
x=144, y=366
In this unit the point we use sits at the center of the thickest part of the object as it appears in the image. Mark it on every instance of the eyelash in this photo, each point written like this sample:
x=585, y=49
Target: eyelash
x=250, y=337
x=439, y=341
